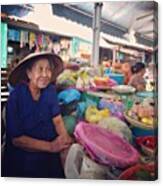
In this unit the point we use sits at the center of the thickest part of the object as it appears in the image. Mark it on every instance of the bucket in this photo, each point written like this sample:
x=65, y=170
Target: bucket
x=119, y=78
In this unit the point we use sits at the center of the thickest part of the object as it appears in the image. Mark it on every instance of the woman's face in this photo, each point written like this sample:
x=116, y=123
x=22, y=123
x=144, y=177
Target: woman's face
x=40, y=74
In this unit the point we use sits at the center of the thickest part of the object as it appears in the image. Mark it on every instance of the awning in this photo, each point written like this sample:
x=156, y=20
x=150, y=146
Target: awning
x=115, y=40
x=65, y=27
x=61, y=25
x=17, y=10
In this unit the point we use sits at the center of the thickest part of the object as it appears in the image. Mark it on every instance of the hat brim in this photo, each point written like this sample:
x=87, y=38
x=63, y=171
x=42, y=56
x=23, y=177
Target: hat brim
x=18, y=74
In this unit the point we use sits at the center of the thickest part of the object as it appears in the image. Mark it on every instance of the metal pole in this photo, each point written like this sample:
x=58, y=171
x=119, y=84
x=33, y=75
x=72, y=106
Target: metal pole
x=96, y=34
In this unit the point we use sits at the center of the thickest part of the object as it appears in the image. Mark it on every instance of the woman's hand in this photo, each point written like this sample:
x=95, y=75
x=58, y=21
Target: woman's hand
x=67, y=138
x=59, y=144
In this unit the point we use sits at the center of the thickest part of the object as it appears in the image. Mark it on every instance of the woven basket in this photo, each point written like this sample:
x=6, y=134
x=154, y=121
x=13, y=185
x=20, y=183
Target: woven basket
x=136, y=123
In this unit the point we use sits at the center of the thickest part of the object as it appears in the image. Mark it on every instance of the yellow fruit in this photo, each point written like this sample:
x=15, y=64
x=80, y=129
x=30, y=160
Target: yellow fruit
x=147, y=121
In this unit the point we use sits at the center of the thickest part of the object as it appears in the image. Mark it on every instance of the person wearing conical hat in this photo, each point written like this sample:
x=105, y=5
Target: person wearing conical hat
x=35, y=132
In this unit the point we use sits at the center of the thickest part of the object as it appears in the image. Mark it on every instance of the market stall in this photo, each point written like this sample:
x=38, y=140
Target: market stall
x=99, y=101
x=112, y=121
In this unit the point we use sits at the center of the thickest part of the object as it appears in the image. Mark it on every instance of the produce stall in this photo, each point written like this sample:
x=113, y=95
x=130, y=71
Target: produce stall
x=103, y=106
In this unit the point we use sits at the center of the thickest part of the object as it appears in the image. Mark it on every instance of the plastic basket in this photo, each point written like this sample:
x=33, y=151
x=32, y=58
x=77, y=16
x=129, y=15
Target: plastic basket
x=105, y=147
x=119, y=78
x=129, y=174
x=140, y=129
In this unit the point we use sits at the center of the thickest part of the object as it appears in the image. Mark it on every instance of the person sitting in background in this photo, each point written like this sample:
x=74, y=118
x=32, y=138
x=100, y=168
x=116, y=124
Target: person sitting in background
x=35, y=132
x=126, y=70
x=137, y=79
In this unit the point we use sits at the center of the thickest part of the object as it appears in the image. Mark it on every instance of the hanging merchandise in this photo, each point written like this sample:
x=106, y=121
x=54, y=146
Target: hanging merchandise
x=13, y=35
x=105, y=147
x=56, y=48
x=32, y=40
x=44, y=42
x=3, y=45
x=39, y=40
x=24, y=38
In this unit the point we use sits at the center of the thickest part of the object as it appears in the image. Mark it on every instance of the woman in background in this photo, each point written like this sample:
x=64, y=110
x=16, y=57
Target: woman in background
x=137, y=79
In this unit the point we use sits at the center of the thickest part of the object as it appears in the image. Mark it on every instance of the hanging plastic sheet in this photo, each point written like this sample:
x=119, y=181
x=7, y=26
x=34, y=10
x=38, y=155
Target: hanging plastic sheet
x=24, y=38
x=13, y=35
x=3, y=45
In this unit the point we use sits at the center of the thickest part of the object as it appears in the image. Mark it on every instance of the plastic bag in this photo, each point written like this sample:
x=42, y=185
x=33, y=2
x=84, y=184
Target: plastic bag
x=116, y=126
x=68, y=96
x=93, y=115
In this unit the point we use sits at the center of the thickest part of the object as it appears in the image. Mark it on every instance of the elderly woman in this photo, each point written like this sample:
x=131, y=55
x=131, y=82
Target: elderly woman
x=34, y=126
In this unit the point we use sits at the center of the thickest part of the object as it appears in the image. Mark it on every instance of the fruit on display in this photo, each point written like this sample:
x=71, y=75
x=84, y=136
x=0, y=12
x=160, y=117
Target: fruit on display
x=101, y=81
x=143, y=112
x=148, y=121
